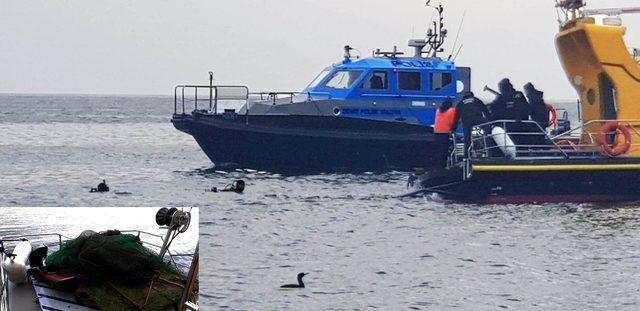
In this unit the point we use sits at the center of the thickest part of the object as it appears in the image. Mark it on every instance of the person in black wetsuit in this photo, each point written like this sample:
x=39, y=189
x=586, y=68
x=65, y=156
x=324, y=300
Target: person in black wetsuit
x=539, y=111
x=521, y=107
x=102, y=187
x=519, y=130
x=471, y=112
x=502, y=108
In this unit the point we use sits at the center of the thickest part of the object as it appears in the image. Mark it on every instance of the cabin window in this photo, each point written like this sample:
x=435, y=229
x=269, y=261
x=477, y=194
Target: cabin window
x=440, y=80
x=319, y=79
x=344, y=79
x=377, y=81
x=409, y=81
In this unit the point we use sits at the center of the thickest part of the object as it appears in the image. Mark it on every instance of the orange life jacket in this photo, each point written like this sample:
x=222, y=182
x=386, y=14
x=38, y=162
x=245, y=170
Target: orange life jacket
x=445, y=121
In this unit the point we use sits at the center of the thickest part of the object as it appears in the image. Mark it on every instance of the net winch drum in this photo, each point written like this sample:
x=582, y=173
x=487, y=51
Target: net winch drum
x=15, y=264
x=176, y=221
x=164, y=216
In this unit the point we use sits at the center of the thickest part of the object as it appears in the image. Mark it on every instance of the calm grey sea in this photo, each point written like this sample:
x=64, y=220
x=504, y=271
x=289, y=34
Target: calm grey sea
x=364, y=248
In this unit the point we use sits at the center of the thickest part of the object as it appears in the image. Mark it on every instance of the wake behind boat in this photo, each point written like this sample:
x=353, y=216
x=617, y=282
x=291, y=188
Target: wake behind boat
x=374, y=113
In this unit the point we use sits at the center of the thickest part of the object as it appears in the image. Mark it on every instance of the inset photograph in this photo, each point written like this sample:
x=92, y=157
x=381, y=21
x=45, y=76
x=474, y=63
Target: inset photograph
x=99, y=259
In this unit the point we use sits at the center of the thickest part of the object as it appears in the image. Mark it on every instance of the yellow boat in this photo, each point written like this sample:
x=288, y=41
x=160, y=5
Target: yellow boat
x=597, y=161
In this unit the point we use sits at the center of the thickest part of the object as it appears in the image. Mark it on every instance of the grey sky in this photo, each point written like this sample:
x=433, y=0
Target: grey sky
x=146, y=47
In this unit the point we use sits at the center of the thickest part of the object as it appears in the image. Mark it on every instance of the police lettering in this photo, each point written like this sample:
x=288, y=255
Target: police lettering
x=412, y=64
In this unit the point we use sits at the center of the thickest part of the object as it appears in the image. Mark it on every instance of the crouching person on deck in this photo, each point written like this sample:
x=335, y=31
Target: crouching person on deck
x=472, y=112
x=445, y=125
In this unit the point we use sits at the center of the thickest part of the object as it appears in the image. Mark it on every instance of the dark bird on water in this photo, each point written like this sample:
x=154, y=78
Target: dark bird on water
x=300, y=283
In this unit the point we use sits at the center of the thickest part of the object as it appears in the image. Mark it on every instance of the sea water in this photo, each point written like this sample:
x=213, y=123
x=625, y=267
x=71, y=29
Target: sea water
x=362, y=247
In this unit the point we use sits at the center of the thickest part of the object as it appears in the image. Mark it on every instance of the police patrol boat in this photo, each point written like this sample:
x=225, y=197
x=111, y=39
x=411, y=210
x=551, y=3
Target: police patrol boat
x=113, y=270
x=360, y=114
x=596, y=161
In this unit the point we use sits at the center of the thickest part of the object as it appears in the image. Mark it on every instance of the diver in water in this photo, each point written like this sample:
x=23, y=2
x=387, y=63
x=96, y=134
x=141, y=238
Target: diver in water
x=471, y=111
x=237, y=187
x=444, y=126
x=503, y=107
x=102, y=187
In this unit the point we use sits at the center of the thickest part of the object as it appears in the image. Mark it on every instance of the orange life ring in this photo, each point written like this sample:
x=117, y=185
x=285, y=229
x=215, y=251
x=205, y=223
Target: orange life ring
x=618, y=148
x=554, y=114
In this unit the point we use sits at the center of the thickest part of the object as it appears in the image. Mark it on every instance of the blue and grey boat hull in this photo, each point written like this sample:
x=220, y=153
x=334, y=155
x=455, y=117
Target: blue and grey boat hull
x=289, y=143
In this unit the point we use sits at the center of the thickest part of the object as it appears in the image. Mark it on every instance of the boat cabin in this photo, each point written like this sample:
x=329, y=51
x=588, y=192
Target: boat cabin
x=389, y=78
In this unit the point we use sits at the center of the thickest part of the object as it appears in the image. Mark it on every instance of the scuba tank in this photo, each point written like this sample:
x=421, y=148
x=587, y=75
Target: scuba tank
x=504, y=142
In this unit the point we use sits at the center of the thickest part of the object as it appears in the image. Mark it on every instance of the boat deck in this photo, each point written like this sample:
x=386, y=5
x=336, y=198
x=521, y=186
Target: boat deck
x=53, y=299
x=36, y=296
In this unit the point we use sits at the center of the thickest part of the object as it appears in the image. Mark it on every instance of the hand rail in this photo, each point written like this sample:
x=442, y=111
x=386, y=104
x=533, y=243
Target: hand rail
x=472, y=152
x=216, y=93
x=274, y=95
x=588, y=149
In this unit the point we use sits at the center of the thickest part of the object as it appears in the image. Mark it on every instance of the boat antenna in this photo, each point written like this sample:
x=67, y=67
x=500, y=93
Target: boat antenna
x=455, y=42
x=459, y=49
x=437, y=33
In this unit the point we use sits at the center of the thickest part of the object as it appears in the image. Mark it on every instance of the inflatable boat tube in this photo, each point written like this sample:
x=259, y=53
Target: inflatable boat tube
x=16, y=267
x=504, y=142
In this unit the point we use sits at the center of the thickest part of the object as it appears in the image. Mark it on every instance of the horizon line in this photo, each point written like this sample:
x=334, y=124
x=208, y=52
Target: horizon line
x=167, y=95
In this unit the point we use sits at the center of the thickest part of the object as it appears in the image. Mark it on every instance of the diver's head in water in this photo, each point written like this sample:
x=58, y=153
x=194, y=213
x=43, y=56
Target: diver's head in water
x=238, y=186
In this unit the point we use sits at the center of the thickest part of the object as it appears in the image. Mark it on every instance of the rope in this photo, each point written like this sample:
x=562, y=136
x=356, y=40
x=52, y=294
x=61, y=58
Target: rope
x=171, y=282
x=146, y=299
x=122, y=294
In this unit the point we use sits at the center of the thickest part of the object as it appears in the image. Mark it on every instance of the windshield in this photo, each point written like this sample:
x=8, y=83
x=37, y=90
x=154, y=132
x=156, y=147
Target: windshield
x=318, y=79
x=344, y=79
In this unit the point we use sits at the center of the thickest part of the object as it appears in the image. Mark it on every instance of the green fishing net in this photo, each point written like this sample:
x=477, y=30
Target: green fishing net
x=105, y=256
x=121, y=272
x=166, y=291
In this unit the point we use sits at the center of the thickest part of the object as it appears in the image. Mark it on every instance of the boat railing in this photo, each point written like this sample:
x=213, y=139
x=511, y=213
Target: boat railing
x=156, y=247
x=274, y=97
x=527, y=140
x=209, y=94
x=524, y=137
x=589, y=137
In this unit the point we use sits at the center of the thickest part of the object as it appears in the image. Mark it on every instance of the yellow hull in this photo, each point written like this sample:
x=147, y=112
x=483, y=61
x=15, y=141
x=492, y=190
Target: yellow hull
x=603, y=71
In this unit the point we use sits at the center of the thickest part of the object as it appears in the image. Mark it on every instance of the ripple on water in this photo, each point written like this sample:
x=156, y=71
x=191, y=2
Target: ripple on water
x=345, y=228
